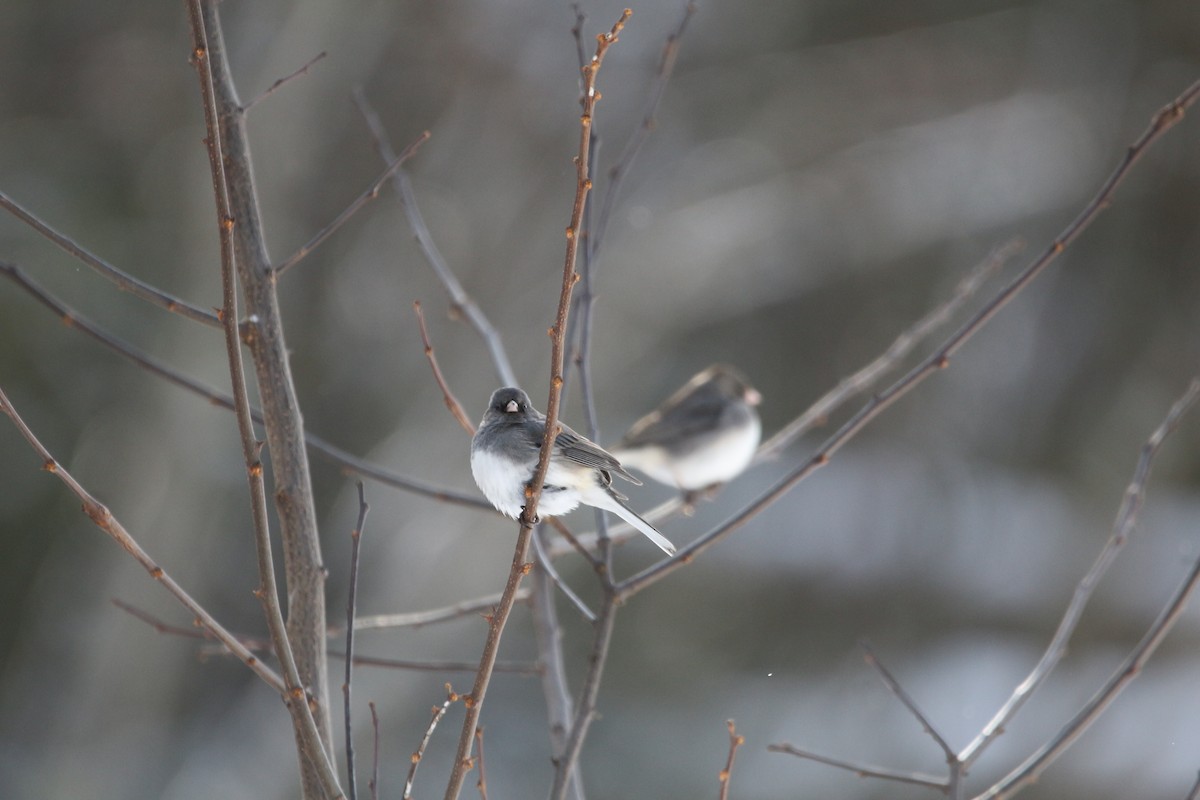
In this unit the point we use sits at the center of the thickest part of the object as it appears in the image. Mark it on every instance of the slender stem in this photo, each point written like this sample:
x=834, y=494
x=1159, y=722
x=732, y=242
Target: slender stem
x=350, y=463
x=533, y=492
x=447, y=396
x=374, y=752
x=369, y=194
x=895, y=688
x=862, y=770
x=418, y=619
x=351, y=604
x=122, y=280
x=461, y=302
x=438, y=713
x=286, y=79
x=1163, y=121
x=305, y=574
x=105, y=521
x=1123, y=526
x=735, y=741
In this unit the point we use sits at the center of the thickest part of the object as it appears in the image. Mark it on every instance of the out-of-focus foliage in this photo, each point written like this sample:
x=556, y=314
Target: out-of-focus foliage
x=820, y=175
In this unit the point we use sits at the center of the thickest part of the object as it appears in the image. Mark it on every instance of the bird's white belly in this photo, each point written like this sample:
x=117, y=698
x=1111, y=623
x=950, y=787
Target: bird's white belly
x=503, y=484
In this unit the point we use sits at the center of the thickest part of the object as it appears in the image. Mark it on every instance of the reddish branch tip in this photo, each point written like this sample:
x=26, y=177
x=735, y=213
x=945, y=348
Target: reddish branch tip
x=199, y=53
x=416, y=758
x=50, y=466
x=256, y=469
x=156, y=573
x=526, y=568
x=468, y=700
x=943, y=362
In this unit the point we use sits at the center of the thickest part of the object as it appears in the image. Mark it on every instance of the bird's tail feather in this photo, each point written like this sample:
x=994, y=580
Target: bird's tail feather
x=629, y=515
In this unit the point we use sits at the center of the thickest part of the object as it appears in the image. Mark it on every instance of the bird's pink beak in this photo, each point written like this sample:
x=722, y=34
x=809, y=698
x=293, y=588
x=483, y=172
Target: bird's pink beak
x=512, y=407
x=753, y=397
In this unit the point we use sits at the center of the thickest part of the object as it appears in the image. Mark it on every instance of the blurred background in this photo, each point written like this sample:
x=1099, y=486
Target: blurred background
x=822, y=173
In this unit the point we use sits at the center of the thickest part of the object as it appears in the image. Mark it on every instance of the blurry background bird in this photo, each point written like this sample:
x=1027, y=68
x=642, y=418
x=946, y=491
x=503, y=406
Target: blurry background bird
x=705, y=434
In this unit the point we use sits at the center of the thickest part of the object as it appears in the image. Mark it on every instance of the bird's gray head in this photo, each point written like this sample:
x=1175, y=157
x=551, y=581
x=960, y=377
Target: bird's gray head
x=510, y=403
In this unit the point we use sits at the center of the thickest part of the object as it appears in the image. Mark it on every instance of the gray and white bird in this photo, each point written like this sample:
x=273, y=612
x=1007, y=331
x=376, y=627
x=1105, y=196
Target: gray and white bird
x=504, y=456
x=703, y=435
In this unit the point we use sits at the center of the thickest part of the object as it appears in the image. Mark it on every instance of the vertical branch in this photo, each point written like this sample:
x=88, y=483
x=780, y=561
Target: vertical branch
x=243, y=240
x=529, y=517
x=351, y=604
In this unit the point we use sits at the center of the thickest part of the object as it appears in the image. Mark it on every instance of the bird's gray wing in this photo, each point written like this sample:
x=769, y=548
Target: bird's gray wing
x=584, y=451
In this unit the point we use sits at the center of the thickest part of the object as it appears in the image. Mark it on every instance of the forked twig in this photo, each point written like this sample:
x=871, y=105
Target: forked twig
x=105, y=521
x=349, y=463
x=1132, y=666
x=438, y=713
x=1123, y=526
x=461, y=302
x=279, y=84
x=1163, y=121
x=895, y=688
x=447, y=396
x=735, y=741
x=341, y=219
x=863, y=770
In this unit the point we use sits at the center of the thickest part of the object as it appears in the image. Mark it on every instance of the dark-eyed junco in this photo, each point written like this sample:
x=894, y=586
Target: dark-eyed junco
x=703, y=435
x=504, y=455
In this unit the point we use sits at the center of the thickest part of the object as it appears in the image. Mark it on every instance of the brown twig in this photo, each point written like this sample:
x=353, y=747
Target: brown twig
x=418, y=619
x=1163, y=121
x=438, y=713
x=122, y=280
x=300, y=642
x=447, y=396
x=374, y=752
x=351, y=604
x=481, y=784
x=1123, y=526
x=735, y=741
x=105, y=521
x=461, y=302
x=341, y=219
x=350, y=464
x=863, y=770
x=279, y=84
x=533, y=493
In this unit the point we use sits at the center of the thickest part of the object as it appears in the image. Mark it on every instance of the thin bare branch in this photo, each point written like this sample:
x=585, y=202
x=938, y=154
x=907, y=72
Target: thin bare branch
x=866, y=377
x=351, y=605
x=367, y=196
x=374, y=752
x=279, y=84
x=105, y=521
x=1163, y=121
x=521, y=668
x=895, y=688
x=548, y=635
x=1033, y=766
x=545, y=563
x=1123, y=526
x=447, y=396
x=481, y=784
x=122, y=280
x=863, y=770
x=418, y=619
x=300, y=641
x=461, y=302
x=438, y=713
x=557, y=333
x=735, y=741
x=350, y=464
